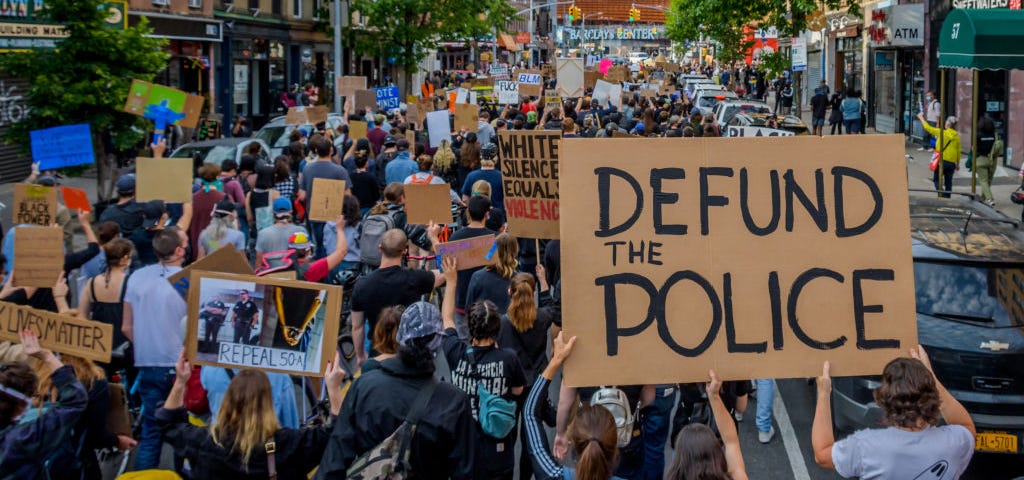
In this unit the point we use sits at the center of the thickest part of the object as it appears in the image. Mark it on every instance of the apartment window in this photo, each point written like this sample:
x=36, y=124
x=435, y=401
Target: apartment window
x=275, y=7
x=297, y=8
x=316, y=9
x=254, y=3
x=195, y=3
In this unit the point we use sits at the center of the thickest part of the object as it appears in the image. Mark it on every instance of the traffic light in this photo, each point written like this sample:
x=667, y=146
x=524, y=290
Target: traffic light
x=573, y=13
x=634, y=14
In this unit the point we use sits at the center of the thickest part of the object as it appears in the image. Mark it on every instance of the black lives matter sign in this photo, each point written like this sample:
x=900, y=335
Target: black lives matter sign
x=757, y=257
x=529, y=170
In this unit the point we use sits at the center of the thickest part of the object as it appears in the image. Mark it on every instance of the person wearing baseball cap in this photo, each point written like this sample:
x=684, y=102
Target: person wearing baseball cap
x=275, y=238
x=127, y=213
x=399, y=168
x=317, y=270
x=381, y=399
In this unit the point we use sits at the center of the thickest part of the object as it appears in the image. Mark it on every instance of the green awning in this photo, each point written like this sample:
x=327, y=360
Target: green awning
x=982, y=39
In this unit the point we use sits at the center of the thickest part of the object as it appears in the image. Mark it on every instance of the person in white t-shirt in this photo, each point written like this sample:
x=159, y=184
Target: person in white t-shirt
x=913, y=446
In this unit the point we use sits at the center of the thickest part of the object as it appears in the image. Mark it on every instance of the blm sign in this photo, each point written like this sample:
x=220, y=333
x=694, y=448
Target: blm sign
x=759, y=258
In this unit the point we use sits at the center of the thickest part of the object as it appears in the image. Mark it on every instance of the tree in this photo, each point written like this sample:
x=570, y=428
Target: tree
x=403, y=31
x=86, y=79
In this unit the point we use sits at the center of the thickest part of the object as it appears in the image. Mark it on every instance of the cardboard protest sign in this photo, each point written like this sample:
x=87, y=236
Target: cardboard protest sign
x=347, y=86
x=38, y=256
x=34, y=205
x=143, y=95
x=618, y=73
x=364, y=99
x=425, y=105
x=531, y=82
x=306, y=115
x=167, y=179
x=471, y=252
x=605, y=92
x=570, y=77
x=529, y=169
x=739, y=131
x=387, y=98
x=61, y=147
x=356, y=129
x=326, y=199
x=760, y=258
x=426, y=203
x=590, y=78
x=75, y=199
x=57, y=332
x=226, y=259
x=668, y=66
x=412, y=112
x=410, y=135
x=499, y=71
x=508, y=92
x=649, y=93
x=438, y=127
x=269, y=324
x=548, y=70
x=461, y=95
x=467, y=115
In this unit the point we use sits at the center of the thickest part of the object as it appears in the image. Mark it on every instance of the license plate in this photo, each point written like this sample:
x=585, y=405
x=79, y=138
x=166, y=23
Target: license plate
x=996, y=442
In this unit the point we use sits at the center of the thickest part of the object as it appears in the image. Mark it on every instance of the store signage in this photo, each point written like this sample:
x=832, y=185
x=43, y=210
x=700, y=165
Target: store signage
x=616, y=33
x=897, y=26
x=798, y=51
x=986, y=4
x=523, y=38
x=840, y=21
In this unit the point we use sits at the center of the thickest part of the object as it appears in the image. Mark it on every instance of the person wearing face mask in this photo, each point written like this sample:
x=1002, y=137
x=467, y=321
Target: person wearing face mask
x=932, y=111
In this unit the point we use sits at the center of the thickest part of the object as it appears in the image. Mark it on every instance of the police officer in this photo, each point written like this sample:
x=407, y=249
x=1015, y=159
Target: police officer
x=244, y=317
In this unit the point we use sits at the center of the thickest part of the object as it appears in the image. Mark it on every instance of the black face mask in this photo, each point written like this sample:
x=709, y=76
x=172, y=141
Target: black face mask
x=188, y=255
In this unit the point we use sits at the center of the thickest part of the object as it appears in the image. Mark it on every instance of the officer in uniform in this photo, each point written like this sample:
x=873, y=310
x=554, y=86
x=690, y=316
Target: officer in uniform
x=244, y=317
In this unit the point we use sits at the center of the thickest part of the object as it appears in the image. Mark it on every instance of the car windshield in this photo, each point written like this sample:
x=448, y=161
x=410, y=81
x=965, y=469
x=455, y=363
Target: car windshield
x=707, y=101
x=270, y=135
x=216, y=154
x=990, y=296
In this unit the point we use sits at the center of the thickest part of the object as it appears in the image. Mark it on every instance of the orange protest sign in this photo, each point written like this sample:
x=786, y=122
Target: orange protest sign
x=75, y=199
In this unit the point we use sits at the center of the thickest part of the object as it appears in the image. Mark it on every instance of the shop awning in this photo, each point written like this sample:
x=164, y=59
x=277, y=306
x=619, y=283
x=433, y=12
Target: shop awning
x=982, y=39
x=508, y=42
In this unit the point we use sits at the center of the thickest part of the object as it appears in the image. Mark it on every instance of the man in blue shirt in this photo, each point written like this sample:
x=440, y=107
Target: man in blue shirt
x=400, y=167
x=488, y=157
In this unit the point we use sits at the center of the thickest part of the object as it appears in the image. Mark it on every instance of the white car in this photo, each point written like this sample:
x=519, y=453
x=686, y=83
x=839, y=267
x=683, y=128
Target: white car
x=638, y=57
x=726, y=109
x=706, y=98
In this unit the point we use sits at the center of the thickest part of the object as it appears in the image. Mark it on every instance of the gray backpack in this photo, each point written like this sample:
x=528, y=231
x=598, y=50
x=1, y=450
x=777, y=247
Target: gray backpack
x=372, y=230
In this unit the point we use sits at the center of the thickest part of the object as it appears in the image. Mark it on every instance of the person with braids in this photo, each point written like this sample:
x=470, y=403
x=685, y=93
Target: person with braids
x=914, y=445
x=482, y=363
x=445, y=166
x=592, y=433
x=104, y=302
x=491, y=283
x=30, y=449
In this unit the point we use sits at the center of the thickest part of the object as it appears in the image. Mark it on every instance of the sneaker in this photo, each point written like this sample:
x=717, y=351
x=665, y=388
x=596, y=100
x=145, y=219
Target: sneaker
x=738, y=415
x=765, y=437
x=990, y=202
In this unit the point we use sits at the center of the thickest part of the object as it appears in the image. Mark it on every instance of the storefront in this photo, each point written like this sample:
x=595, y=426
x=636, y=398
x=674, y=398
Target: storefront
x=254, y=59
x=192, y=45
x=845, y=51
x=310, y=60
x=896, y=82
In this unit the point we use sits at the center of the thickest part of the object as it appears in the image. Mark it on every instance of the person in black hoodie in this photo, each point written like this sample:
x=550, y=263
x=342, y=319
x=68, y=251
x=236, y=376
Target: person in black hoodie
x=378, y=402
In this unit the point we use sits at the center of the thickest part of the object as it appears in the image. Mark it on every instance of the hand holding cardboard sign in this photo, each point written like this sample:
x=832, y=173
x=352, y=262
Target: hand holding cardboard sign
x=159, y=148
x=182, y=369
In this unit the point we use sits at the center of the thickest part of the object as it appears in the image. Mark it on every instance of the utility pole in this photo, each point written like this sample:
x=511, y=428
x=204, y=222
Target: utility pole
x=529, y=29
x=337, y=55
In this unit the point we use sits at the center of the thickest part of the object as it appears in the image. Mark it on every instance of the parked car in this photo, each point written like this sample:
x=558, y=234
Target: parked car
x=969, y=287
x=216, y=151
x=691, y=85
x=638, y=57
x=276, y=133
x=705, y=99
x=726, y=109
x=789, y=123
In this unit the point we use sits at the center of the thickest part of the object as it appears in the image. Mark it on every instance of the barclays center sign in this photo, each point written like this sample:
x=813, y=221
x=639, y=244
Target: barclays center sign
x=612, y=32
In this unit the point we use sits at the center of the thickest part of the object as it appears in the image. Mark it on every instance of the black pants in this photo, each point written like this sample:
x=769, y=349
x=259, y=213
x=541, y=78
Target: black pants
x=948, y=169
x=242, y=331
x=212, y=331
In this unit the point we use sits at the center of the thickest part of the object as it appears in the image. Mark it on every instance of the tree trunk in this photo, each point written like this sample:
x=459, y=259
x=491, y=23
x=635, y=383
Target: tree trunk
x=797, y=96
x=106, y=169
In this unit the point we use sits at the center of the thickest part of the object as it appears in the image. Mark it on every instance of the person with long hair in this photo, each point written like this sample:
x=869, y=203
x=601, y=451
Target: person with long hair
x=469, y=157
x=914, y=445
x=492, y=282
x=104, y=301
x=384, y=334
x=592, y=433
x=239, y=443
x=444, y=164
x=222, y=230
x=28, y=447
x=259, y=201
x=699, y=453
x=284, y=181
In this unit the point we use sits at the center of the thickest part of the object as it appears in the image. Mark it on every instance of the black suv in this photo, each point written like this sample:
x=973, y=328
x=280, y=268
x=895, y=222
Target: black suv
x=969, y=287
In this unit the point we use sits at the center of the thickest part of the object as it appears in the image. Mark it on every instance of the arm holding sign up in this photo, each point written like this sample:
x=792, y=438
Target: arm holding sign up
x=727, y=429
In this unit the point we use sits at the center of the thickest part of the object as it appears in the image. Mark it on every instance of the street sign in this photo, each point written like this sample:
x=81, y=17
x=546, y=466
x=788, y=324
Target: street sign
x=523, y=38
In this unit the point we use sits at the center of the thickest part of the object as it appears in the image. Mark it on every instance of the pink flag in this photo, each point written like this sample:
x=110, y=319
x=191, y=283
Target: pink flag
x=604, y=66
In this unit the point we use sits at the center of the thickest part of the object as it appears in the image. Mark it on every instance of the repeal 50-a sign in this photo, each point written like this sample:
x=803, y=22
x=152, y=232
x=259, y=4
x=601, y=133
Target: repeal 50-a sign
x=759, y=258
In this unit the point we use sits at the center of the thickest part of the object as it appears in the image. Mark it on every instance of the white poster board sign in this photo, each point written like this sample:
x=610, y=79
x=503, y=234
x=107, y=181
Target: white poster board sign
x=508, y=91
x=438, y=128
x=570, y=77
x=606, y=91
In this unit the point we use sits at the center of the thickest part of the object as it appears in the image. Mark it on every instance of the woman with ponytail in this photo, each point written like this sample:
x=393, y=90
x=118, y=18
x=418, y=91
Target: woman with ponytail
x=102, y=300
x=492, y=282
x=592, y=432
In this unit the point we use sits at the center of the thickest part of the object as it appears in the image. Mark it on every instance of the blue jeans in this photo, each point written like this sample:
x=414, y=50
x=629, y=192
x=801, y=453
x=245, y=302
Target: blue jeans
x=316, y=230
x=852, y=125
x=765, y=400
x=154, y=385
x=656, y=427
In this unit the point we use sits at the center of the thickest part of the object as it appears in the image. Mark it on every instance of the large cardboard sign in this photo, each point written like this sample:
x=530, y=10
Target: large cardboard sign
x=738, y=131
x=38, y=256
x=347, y=86
x=438, y=127
x=531, y=82
x=61, y=147
x=365, y=99
x=759, y=258
x=618, y=73
x=326, y=200
x=226, y=259
x=590, y=78
x=167, y=179
x=34, y=204
x=467, y=115
x=306, y=115
x=271, y=324
x=606, y=92
x=508, y=92
x=428, y=203
x=356, y=130
x=145, y=95
x=529, y=169
x=471, y=252
x=412, y=112
x=570, y=77
x=57, y=332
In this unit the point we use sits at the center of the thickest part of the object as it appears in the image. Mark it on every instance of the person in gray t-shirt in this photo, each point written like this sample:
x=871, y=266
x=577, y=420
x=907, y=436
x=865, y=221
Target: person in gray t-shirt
x=275, y=237
x=914, y=446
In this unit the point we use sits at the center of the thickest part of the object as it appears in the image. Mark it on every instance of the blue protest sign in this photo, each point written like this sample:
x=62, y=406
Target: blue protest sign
x=61, y=147
x=387, y=98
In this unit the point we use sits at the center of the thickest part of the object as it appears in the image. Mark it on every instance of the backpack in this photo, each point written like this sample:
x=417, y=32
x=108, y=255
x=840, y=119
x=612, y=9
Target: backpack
x=424, y=181
x=389, y=459
x=617, y=403
x=497, y=416
x=372, y=229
